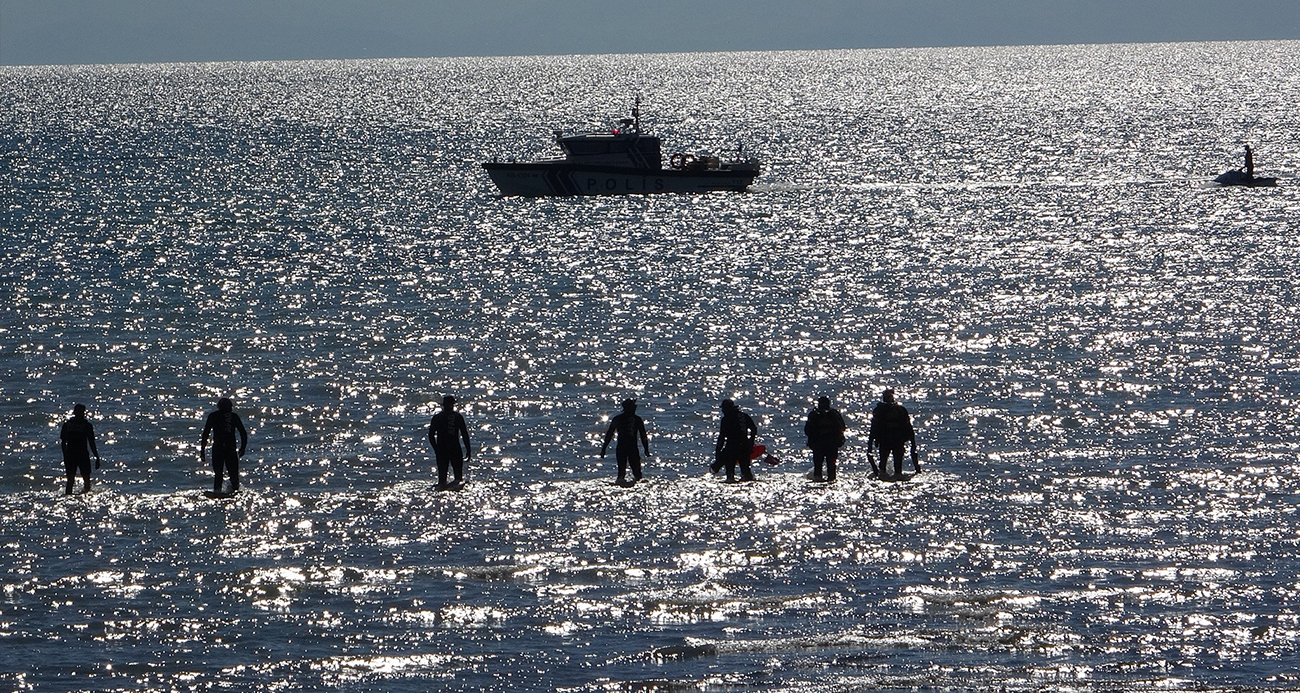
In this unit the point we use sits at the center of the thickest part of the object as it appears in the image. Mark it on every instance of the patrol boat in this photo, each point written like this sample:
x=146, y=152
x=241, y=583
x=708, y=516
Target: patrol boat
x=624, y=161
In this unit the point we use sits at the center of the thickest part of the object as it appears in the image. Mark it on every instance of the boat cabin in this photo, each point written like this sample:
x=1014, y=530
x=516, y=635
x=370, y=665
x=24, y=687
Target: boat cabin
x=624, y=149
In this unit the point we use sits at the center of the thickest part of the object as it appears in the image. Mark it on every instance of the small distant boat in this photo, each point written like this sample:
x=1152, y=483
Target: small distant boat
x=1245, y=176
x=624, y=161
x=1239, y=177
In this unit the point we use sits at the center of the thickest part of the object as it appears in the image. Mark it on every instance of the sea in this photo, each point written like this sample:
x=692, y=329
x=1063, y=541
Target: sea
x=1097, y=345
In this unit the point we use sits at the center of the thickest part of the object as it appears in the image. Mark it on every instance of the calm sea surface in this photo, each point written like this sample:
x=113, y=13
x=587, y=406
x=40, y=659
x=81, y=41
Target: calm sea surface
x=1100, y=351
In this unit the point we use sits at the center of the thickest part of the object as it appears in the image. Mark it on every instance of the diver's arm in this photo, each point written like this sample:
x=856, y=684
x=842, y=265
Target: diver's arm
x=464, y=435
x=203, y=443
x=243, y=435
x=90, y=438
x=609, y=435
x=645, y=439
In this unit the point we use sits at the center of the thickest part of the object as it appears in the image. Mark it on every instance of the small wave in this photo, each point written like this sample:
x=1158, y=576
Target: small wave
x=696, y=648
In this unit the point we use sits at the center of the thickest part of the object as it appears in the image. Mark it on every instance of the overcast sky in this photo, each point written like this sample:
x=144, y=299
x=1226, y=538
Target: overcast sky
x=40, y=32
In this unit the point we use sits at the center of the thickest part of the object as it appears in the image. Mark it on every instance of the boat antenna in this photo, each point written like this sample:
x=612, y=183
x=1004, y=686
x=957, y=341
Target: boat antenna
x=636, y=115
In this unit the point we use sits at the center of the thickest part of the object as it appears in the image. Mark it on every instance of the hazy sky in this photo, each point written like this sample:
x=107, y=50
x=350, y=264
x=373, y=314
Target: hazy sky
x=35, y=32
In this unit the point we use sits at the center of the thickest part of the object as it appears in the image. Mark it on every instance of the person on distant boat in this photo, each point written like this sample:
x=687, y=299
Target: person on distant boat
x=446, y=431
x=891, y=428
x=629, y=427
x=825, y=430
x=735, y=446
x=77, y=441
x=221, y=426
x=1250, y=163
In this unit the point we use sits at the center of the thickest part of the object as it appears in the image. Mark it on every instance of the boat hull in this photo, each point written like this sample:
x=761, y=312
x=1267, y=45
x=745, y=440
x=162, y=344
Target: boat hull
x=564, y=179
x=1239, y=177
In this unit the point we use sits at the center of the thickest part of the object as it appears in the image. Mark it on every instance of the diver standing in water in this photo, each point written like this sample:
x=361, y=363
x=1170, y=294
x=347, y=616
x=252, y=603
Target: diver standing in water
x=825, y=431
x=1250, y=163
x=77, y=441
x=629, y=427
x=446, y=431
x=222, y=425
x=736, y=434
x=891, y=428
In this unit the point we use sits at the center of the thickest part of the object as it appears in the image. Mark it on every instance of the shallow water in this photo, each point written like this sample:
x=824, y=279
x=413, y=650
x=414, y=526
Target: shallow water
x=1097, y=347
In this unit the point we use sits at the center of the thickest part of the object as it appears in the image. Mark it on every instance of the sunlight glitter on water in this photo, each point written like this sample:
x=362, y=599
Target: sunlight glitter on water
x=1097, y=350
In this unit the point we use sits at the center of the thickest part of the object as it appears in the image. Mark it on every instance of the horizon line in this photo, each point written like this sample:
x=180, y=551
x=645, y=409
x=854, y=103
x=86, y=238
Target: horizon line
x=4, y=65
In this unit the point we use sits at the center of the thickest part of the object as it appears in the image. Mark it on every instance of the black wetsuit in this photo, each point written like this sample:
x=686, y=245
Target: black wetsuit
x=736, y=435
x=891, y=429
x=825, y=431
x=629, y=428
x=446, y=429
x=78, y=440
x=222, y=426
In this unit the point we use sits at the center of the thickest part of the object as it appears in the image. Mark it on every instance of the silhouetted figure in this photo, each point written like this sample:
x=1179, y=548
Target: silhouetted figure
x=221, y=426
x=77, y=441
x=825, y=431
x=446, y=431
x=1245, y=175
x=891, y=428
x=629, y=427
x=736, y=435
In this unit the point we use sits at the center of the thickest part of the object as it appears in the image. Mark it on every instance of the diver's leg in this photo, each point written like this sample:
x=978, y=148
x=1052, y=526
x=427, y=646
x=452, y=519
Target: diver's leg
x=898, y=461
x=443, y=464
x=218, y=469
